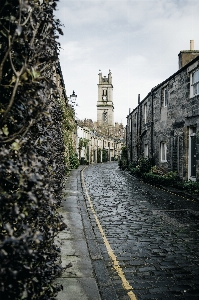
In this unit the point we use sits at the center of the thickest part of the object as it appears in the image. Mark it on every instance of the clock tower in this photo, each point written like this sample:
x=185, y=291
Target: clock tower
x=105, y=108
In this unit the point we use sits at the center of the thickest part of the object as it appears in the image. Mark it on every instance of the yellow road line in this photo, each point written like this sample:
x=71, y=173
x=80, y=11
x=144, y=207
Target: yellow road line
x=111, y=254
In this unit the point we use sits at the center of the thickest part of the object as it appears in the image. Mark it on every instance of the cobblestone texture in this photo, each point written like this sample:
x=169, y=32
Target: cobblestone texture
x=153, y=233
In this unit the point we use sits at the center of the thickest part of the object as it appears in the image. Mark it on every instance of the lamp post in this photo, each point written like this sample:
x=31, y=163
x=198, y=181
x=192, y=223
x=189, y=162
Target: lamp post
x=73, y=99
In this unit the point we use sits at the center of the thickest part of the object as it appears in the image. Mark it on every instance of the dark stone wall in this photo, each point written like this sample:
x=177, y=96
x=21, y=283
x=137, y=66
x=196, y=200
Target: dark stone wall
x=170, y=124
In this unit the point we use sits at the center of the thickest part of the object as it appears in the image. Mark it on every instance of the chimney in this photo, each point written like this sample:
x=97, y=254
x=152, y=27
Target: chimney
x=138, y=98
x=191, y=45
x=185, y=56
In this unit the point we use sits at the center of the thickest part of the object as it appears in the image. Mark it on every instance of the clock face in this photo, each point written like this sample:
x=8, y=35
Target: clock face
x=104, y=98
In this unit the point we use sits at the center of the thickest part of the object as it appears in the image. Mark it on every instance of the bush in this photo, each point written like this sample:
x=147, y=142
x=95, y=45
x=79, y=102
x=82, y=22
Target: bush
x=122, y=162
x=144, y=164
x=191, y=187
x=159, y=180
x=32, y=169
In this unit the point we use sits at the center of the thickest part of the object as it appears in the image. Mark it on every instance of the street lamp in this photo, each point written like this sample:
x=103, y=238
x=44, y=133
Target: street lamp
x=73, y=99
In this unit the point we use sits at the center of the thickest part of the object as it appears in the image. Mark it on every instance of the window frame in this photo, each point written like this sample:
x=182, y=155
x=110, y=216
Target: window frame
x=194, y=84
x=165, y=95
x=163, y=152
x=145, y=113
x=104, y=92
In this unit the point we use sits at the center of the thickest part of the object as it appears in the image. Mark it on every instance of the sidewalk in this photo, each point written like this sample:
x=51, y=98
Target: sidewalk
x=78, y=280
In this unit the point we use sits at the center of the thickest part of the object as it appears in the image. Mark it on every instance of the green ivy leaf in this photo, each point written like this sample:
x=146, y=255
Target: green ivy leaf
x=15, y=146
x=5, y=130
x=35, y=74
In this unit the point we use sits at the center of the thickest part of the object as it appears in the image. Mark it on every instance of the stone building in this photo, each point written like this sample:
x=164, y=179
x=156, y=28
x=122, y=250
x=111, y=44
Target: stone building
x=165, y=124
x=92, y=147
x=105, y=138
x=105, y=108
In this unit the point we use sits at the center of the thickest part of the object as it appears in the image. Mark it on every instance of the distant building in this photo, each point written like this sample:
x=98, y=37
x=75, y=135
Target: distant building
x=165, y=124
x=105, y=108
x=104, y=139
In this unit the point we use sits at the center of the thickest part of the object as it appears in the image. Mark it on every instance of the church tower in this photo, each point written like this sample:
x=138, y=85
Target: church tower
x=105, y=108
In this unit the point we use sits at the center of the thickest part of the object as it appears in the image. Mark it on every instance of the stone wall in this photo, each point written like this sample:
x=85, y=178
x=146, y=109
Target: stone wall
x=173, y=122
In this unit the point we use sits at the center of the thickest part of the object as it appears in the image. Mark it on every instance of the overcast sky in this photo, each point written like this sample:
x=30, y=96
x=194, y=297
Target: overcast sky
x=139, y=41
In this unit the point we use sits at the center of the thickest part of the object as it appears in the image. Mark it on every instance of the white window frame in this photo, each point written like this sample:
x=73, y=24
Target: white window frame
x=194, y=87
x=163, y=152
x=165, y=97
x=145, y=113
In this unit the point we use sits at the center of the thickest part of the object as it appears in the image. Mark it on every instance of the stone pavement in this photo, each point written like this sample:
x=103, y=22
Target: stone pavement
x=153, y=234
x=78, y=278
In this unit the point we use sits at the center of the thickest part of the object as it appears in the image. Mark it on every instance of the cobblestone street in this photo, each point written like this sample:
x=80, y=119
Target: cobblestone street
x=153, y=233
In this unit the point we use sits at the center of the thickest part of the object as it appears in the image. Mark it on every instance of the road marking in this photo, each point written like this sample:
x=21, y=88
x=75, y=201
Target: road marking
x=111, y=254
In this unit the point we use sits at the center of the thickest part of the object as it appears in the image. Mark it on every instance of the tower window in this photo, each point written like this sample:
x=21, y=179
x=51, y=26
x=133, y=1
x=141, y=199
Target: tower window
x=104, y=92
x=105, y=117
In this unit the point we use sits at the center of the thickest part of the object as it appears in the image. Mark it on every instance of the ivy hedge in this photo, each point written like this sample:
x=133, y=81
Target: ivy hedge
x=33, y=149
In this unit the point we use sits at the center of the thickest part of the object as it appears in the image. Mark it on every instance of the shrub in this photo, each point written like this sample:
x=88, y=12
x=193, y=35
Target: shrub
x=122, y=162
x=144, y=164
x=32, y=150
x=191, y=187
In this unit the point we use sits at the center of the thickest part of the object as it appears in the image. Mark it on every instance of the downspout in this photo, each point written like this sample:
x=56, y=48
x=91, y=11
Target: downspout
x=131, y=126
x=140, y=125
x=152, y=125
x=137, y=121
x=127, y=141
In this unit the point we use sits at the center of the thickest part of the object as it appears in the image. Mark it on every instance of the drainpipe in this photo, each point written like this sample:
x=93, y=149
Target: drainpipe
x=127, y=141
x=131, y=138
x=152, y=126
x=139, y=125
x=137, y=129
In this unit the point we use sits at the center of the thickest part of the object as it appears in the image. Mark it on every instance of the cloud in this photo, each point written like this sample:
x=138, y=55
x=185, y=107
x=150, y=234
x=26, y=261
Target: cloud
x=75, y=51
x=138, y=40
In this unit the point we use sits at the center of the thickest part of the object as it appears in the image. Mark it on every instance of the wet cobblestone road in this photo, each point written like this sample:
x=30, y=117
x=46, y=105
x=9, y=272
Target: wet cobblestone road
x=153, y=233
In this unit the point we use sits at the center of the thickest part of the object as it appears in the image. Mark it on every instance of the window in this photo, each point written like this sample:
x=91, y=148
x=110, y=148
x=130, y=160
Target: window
x=146, y=150
x=163, y=151
x=145, y=113
x=195, y=83
x=165, y=97
x=104, y=92
x=105, y=116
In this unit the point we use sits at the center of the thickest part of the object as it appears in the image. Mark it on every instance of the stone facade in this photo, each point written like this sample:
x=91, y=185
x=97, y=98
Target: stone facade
x=103, y=139
x=105, y=108
x=96, y=147
x=165, y=124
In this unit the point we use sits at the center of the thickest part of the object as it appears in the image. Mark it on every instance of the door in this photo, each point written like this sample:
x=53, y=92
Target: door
x=193, y=155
